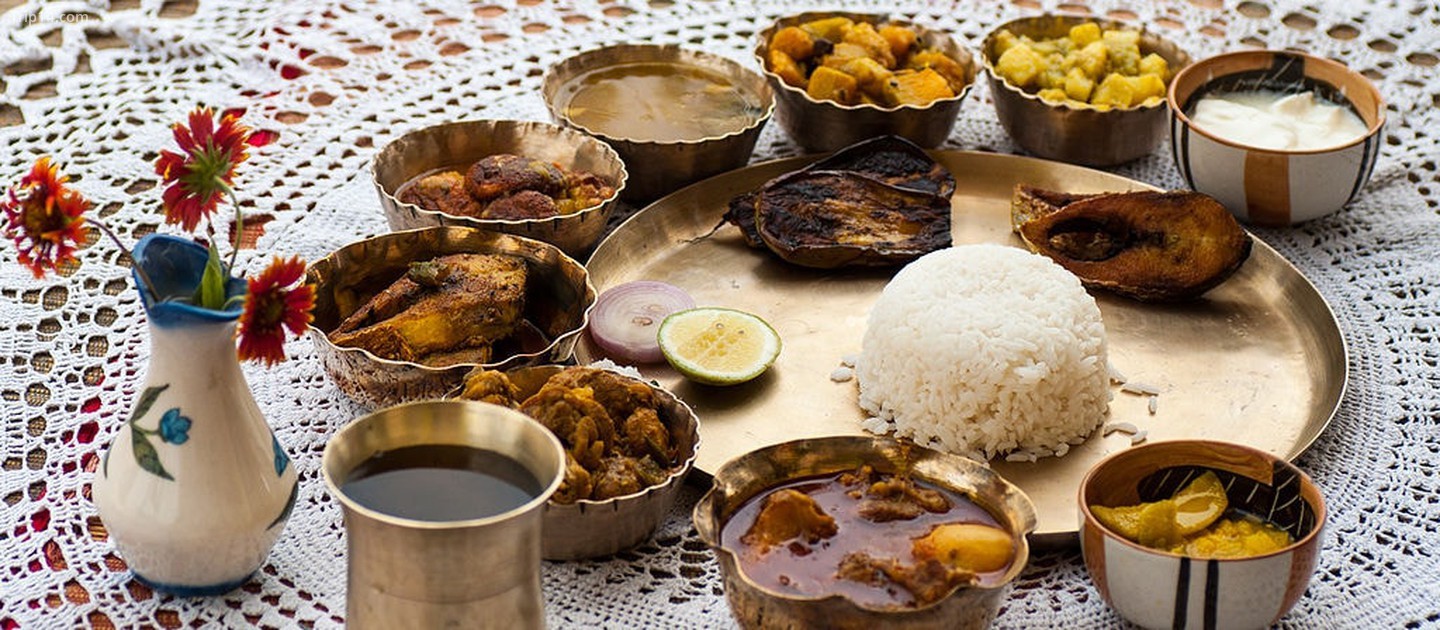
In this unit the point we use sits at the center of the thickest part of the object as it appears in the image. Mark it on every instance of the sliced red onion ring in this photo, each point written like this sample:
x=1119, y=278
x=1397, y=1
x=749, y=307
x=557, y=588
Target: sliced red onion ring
x=627, y=317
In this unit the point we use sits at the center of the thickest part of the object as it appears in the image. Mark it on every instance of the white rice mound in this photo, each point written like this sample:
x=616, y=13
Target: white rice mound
x=985, y=349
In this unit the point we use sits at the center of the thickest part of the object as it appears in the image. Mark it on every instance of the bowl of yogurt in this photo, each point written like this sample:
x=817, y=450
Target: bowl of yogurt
x=1279, y=137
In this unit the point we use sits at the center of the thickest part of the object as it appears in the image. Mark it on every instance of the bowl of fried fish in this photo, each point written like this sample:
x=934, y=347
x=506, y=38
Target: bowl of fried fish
x=628, y=446
x=406, y=315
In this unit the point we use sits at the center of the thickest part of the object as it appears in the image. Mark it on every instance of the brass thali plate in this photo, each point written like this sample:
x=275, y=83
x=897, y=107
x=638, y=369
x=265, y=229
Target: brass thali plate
x=1259, y=360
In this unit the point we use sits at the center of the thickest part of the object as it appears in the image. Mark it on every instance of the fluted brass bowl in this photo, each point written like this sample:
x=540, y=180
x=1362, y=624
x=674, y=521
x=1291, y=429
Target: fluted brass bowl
x=590, y=529
x=558, y=297
x=658, y=168
x=460, y=144
x=1071, y=132
x=824, y=125
x=751, y=474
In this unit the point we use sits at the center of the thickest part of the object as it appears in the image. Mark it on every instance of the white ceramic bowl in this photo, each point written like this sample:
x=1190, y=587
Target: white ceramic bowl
x=1159, y=589
x=1273, y=187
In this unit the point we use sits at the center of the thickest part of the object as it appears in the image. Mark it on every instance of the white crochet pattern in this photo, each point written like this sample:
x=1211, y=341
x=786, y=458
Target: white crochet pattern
x=96, y=85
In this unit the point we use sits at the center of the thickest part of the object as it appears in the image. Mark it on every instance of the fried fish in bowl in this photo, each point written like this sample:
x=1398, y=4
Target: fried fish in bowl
x=406, y=315
x=628, y=446
x=531, y=179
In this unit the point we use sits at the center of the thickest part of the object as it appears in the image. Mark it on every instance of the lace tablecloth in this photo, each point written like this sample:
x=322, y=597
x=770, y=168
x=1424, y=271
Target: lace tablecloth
x=96, y=86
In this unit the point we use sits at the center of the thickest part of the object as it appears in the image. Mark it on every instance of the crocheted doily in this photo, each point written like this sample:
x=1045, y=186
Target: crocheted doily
x=96, y=85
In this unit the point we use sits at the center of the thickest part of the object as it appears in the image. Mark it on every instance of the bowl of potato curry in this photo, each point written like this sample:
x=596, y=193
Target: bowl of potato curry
x=840, y=78
x=1081, y=90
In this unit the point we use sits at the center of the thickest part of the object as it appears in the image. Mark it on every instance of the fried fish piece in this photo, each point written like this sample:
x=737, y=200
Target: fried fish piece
x=1149, y=246
x=445, y=305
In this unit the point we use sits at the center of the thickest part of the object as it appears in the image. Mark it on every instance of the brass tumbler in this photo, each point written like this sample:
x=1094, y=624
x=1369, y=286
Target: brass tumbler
x=479, y=573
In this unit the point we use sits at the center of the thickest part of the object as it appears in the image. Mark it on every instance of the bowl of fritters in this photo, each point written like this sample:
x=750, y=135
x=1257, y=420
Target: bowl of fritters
x=405, y=315
x=628, y=446
x=527, y=178
x=842, y=77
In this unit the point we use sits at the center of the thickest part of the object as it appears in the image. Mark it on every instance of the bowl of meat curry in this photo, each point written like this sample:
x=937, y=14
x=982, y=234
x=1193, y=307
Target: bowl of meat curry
x=406, y=315
x=864, y=532
x=628, y=446
x=528, y=178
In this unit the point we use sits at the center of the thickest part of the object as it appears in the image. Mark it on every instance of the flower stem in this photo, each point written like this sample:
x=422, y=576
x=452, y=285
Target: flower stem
x=149, y=286
x=239, y=226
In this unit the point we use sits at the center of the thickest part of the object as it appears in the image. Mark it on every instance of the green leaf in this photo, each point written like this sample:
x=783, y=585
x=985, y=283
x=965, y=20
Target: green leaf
x=289, y=505
x=147, y=400
x=146, y=456
x=105, y=465
x=211, y=292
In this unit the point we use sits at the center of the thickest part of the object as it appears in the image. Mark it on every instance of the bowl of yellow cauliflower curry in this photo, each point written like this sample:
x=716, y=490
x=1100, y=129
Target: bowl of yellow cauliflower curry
x=1079, y=89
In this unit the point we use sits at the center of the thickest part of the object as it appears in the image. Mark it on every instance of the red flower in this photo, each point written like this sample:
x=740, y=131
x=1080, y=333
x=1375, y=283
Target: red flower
x=45, y=218
x=204, y=171
x=272, y=305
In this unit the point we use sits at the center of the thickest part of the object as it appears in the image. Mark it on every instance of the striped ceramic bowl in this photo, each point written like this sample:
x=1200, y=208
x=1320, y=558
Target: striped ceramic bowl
x=1158, y=589
x=1274, y=187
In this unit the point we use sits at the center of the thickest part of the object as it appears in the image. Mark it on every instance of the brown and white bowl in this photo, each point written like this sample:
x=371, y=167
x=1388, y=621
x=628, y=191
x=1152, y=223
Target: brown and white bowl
x=1265, y=186
x=1159, y=589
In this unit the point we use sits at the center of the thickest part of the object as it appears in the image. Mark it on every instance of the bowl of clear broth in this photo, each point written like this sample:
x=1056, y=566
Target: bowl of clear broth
x=674, y=115
x=1200, y=534
x=864, y=532
x=1279, y=137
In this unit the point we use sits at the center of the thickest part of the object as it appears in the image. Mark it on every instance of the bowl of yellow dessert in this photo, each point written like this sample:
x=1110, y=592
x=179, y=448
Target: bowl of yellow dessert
x=1194, y=533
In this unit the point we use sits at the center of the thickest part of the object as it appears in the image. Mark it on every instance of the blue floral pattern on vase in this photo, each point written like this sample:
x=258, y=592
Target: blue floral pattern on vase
x=174, y=428
x=282, y=461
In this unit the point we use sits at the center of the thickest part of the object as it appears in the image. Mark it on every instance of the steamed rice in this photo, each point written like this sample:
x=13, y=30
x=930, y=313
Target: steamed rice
x=988, y=349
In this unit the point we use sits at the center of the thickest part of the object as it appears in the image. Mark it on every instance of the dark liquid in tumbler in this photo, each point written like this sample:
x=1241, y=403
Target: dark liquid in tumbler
x=441, y=483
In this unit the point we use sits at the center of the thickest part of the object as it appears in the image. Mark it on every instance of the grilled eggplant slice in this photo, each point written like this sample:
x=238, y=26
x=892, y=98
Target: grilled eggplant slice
x=827, y=219
x=894, y=161
x=896, y=170
x=1150, y=246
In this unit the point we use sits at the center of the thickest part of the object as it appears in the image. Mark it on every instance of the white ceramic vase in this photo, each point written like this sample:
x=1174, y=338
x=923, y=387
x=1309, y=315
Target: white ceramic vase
x=194, y=489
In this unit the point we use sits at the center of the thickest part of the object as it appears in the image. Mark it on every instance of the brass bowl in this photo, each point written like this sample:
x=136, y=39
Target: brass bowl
x=460, y=144
x=1077, y=132
x=590, y=529
x=661, y=167
x=821, y=126
x=558, y=298
x=749, y=475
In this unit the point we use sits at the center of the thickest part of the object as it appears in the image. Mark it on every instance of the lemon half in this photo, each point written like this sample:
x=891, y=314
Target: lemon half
x=718, y=346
